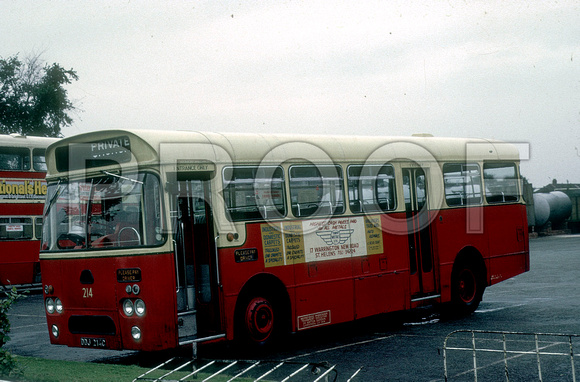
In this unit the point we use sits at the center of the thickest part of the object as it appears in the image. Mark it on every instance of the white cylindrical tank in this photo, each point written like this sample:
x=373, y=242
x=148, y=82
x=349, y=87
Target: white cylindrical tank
x=555, y=207
x=541, y=209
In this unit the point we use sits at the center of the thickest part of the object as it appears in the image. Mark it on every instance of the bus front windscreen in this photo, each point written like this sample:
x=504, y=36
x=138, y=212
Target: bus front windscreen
x=103, y=212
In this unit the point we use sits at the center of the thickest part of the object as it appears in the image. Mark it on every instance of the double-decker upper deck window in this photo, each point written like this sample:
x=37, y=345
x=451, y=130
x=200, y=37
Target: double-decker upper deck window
x=38, y=160
x=254, y=192
x=501, y=182
x=371, y=188
x=316, y=190
x=14, y=159
x=462, y=184
x=15, y=228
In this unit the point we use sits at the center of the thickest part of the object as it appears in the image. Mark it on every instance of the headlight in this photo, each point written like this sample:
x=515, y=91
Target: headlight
x=58, y=305
x=50, y=305
x=55, y=331
x=136, y=333
x=140, y=307
x=128, y=308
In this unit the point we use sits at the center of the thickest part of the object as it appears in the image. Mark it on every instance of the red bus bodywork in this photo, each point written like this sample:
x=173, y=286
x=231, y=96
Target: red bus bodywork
x=19, y=258
x=21, y=198
x=325, y=293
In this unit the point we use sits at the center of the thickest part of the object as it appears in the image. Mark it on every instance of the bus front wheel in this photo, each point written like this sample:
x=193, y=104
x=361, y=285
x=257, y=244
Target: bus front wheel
x=259, y=320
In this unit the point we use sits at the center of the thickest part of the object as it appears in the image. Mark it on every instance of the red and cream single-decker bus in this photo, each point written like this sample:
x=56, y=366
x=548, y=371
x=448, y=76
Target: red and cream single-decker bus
x=155, y=239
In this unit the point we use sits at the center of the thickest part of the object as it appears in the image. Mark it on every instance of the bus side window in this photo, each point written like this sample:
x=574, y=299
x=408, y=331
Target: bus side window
x=15, y=228
x=371, y=188
x=501, y=182
x=254, y=192
x=316, y=190
x=39, y=160
x=38, y=227
x=462, y=184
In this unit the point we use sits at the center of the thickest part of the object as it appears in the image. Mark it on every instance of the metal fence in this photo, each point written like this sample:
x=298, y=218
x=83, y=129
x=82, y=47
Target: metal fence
x=510, y=356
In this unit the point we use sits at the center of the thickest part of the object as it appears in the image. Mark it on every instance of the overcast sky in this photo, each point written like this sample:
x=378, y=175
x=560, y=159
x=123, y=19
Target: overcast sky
x=507, y=70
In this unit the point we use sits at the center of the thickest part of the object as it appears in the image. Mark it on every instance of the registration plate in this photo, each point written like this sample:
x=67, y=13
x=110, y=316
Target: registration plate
x=93, y=342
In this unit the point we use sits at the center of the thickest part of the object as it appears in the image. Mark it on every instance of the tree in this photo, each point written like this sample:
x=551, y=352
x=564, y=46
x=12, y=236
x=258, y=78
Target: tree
x=7, y=361
x=33, y=100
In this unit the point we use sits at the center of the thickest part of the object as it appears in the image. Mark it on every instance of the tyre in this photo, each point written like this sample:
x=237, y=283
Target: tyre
x=467, y=287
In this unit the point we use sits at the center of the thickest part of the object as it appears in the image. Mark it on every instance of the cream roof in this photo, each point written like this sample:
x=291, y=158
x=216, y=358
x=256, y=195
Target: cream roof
x=277, y=148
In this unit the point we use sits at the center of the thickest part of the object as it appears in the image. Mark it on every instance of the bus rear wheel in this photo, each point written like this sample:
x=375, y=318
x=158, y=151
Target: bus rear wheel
x=467, y=289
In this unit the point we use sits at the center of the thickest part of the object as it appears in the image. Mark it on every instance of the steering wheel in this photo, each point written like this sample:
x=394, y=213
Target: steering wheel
x=131, y=231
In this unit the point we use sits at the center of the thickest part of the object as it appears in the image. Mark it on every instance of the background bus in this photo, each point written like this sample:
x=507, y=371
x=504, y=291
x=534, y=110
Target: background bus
x=22, y=192
x=154, y=239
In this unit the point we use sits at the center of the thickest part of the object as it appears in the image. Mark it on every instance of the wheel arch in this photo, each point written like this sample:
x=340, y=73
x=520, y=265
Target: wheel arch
x=470, y=255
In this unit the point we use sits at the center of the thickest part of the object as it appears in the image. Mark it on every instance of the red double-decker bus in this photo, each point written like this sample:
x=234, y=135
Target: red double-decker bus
x=22, y=192
x=155, y=239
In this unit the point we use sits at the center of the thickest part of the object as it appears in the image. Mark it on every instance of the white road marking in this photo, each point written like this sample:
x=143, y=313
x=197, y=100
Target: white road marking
x=339, y=347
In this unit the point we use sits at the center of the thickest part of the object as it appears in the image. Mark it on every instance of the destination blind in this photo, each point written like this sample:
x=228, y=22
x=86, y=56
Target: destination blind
x=105, y=152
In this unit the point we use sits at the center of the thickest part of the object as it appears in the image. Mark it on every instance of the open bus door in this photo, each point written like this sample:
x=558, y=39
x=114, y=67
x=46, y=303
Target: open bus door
x=421, y=259
x=195, y=261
